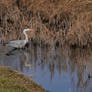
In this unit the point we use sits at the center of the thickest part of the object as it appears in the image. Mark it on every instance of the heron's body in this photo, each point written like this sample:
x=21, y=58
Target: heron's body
x=19, y=43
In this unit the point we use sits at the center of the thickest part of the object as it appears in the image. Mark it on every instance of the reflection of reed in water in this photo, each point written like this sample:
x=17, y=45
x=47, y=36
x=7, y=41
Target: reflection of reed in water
x=71, y=61
x=74, y=62
x=29, y=57
x=33, y=54
x=79, y=59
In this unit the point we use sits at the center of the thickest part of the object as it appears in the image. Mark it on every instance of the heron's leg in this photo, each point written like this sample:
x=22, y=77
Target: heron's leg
x=10, y=52
x=27, y=45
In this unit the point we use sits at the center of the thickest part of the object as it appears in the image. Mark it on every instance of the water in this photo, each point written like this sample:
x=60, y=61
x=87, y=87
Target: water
x=56, y=69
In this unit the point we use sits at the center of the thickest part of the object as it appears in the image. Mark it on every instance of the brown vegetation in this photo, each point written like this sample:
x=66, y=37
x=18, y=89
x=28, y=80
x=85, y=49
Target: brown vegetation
x=53, y=21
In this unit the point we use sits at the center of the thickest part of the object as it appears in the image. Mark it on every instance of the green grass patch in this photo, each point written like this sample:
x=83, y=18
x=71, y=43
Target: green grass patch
x=12, y=81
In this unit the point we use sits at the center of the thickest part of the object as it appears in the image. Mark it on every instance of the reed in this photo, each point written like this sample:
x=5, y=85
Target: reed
x=64, y=21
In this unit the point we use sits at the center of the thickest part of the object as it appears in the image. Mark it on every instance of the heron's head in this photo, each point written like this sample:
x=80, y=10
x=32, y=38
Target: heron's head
x=26, y=29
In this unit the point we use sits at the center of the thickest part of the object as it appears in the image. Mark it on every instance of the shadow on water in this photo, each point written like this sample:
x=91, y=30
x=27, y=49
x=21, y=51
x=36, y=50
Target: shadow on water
x=66, y=70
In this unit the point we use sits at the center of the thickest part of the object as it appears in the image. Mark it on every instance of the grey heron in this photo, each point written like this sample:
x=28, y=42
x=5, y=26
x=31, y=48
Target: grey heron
x=19, y=43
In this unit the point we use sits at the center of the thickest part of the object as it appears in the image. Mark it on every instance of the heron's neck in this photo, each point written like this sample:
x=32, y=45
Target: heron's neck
x=26, y=37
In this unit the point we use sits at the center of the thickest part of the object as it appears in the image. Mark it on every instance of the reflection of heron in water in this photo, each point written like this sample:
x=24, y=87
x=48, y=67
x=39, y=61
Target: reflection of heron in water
x=27, y=61
x=19, y=43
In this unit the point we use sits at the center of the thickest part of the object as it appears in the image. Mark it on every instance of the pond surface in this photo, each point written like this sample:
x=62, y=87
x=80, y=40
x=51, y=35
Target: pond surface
x=56, y=69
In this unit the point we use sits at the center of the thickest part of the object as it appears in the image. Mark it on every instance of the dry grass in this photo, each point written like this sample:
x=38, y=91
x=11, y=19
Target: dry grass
x=66, y=21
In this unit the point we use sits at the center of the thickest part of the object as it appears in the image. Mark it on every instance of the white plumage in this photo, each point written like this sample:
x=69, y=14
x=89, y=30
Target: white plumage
x=19, y=43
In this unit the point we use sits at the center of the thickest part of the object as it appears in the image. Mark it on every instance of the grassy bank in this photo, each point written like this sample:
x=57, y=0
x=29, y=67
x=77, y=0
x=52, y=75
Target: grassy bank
x=12, y=81
x=53, y=21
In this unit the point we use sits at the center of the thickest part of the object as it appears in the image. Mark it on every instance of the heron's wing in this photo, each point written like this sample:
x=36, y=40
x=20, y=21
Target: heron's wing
x=16, y=43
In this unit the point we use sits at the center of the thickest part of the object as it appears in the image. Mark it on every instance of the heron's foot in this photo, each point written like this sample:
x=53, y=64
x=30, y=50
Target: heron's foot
x=11, y=52
x=8, y=54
